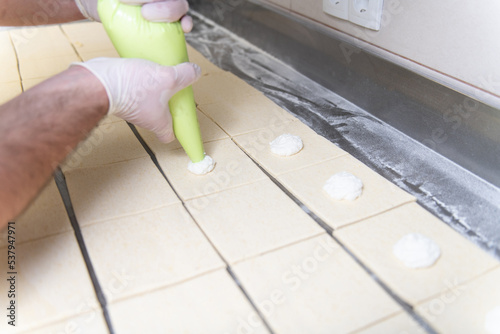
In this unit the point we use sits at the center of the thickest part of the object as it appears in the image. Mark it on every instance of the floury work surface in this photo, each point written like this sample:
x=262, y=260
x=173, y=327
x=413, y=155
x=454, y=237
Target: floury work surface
x=464, y=201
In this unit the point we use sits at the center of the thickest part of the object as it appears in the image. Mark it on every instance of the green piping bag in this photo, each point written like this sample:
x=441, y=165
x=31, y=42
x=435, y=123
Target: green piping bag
x=164, y=43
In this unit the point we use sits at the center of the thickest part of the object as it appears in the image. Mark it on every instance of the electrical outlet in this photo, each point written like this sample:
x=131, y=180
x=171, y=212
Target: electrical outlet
x=366, y=13
x=337, y=8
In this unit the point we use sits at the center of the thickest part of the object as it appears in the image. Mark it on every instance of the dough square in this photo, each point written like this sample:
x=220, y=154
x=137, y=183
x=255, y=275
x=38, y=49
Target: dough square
x=149, y=250
x=378, y=194
x=232, y=169
x=45, y=216
x=8, y=91
x=314, y=287
x=372, y=240
x=91, y=322
x=316, y=148
x=7, y=49
x=211, y=303
x=401, y=323
x=10, y=73
x=36, y=43
x=117, y=190
x=221, y=86
x=108, y=143
x=8, y=60
x=250, y=220
x=45, y=67
x=247, y=113
x=463, y=307
x=206, y=66
x=52, y=282
x=209, y=132
x=88, y=37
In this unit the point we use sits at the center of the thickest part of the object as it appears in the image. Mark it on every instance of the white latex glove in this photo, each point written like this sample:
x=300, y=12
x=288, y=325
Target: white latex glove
x=139, y=90
x=152, y=10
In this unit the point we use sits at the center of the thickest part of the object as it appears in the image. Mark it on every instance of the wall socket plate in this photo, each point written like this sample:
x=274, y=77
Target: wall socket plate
x=337, y=8
x=366, y=13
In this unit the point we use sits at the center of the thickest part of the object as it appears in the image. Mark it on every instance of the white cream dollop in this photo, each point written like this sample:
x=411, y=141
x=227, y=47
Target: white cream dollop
x=202, y=167
x=343, y=185
x=492, y=321
x=286, y=145
x=416, y=251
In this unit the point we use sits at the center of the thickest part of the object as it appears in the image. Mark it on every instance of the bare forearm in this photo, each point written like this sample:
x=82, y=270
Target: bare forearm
x=38, y=12
x=39, y=128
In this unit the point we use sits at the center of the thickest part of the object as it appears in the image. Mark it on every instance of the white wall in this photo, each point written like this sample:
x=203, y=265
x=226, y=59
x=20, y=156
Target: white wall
x=456, y=43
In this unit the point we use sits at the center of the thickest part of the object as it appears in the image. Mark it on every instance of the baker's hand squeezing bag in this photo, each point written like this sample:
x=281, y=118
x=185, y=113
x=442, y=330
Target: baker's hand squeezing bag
x=161, y=42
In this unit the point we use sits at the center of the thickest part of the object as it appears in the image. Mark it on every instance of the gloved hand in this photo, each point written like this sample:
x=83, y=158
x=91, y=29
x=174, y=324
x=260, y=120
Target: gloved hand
x=152, y=10
x=139, y=90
